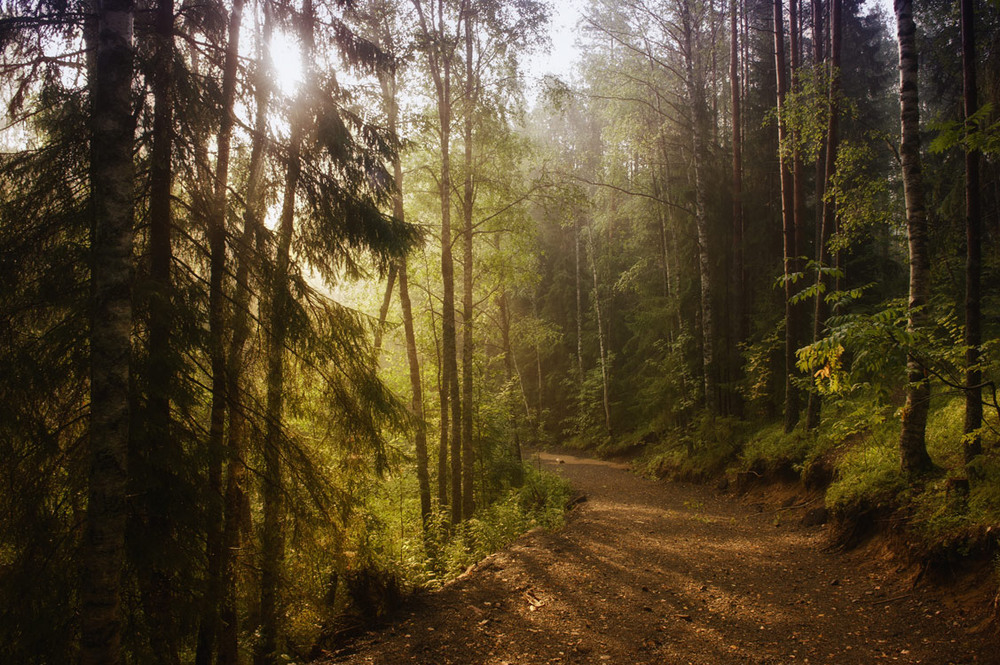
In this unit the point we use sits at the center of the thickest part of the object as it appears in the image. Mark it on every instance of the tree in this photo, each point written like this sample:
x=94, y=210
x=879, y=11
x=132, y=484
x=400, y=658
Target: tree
x=381, y=19
x=236, y=389
x=912, y=444
x=828, y=209
x=468, y=206
x=694, y=80
x=440, y=53
x=112, y=141
x=788, y=215
x=158, y=453
x=217, y=347
x=973, y=243
x=738, y=296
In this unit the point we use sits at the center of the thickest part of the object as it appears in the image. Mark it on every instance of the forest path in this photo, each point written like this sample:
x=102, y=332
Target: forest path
x=657, y=572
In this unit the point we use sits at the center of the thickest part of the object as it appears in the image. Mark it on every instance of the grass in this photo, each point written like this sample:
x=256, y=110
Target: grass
x=771, y=447
x=695, y=453
x=859, y=441
x=868, y=474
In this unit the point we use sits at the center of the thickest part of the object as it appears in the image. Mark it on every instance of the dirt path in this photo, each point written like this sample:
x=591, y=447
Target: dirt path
x=653, y=572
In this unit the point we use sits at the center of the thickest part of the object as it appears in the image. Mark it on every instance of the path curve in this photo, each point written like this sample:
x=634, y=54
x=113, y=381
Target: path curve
x=655, y=572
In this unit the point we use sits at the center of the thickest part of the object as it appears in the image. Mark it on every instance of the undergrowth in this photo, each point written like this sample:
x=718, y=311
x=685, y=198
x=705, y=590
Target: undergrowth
x=428, y=559
x=696, y=452
x=539, y=502
x=395, y=556
x=857, y=449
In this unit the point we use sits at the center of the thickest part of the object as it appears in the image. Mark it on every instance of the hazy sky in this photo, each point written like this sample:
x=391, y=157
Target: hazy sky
x=563, y=32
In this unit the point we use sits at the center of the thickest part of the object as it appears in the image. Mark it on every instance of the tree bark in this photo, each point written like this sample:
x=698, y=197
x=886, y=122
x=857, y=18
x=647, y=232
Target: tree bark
x=508, y=366
x=787, y=222
x=695, y=87
x=578, y=282
x=383, y=311
x=798, y=169
x=973, y=241
x=444, y=415
x=272, y=537
x=388, y=82
x=912, y=442
x=829, y=207
x=217, y=322
x=738, y=289
x=156, y=458
x=468, y=350
x=439, y=60
x=417, y=395
x=253, y=225
x=111, y=180
x=600, y=341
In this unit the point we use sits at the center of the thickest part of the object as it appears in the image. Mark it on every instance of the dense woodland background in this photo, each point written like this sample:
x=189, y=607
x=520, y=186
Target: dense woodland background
x=272, y=349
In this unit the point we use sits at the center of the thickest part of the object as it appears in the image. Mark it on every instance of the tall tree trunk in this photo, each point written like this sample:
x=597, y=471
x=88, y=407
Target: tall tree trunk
x=439, y=56
x=695, y=87
x=508, y=366
x=253, y=225
x=973, y=239
x=444, y=415
x=272, y=537
x=738, y=289
x=787, y=223
x=417, y=395
x=600, y=340
x=798, y=170
x=216, y=322
x=449, y=334
x=383, y=311
x=912, y=442
x=819, y=64
x=540, y=381
x=442, y=460
x=156, y=458
x=578, y=281
x=829, y=207
x=468, y=358
x=111, y=180
x=389, y=84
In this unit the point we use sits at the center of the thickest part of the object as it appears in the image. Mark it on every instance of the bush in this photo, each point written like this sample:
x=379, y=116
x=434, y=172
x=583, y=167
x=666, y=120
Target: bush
x=445, y=551
x=696, y=452
x=868, y=475
x=771, y=448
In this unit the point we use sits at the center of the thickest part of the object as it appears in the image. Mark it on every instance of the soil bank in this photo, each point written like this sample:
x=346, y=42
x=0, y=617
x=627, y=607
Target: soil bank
x=654, y=572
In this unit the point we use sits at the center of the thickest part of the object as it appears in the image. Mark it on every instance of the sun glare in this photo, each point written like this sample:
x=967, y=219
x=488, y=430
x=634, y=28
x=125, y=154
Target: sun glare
x=286, y=56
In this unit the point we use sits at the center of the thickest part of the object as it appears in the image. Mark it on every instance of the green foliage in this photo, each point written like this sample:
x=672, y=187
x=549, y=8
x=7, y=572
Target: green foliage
x=863, y=196
x=860, y=351
x=807, y=113
x=540, y=502
x=981, y=132
x=942, y=511
x=868, y=474
x=585, y=426
x=447, y=550
x=761, y=360
x=771, y=448
x=817, y=287
x=698, y=451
